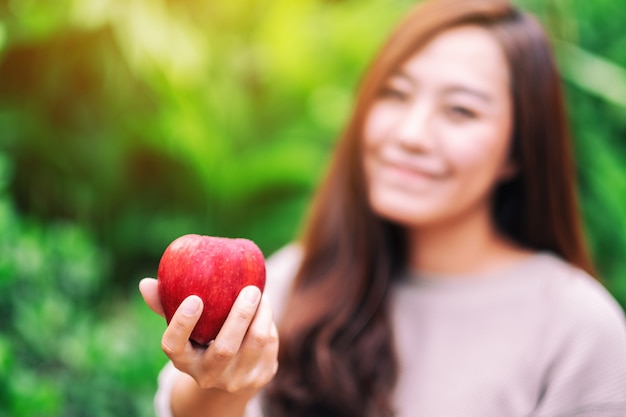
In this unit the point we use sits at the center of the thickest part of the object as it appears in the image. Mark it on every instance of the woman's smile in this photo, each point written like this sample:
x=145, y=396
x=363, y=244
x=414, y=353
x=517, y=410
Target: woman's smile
x=410, y=176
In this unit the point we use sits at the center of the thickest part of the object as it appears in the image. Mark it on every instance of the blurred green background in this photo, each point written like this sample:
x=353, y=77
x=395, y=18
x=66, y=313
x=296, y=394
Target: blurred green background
x=127, y=123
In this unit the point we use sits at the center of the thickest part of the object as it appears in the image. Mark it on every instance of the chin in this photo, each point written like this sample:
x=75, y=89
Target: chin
x=404, y=210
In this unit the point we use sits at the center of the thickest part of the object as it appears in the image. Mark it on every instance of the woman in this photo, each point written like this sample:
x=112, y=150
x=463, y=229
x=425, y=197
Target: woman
x=443, y=270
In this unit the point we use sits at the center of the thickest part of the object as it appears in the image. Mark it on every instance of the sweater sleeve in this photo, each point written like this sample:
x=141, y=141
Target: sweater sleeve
x=281, y=268
x=587, y=375
x=162, y=399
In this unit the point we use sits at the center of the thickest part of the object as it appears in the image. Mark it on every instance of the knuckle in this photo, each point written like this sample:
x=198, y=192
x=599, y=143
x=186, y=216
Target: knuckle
x=206, y=383
x=259, y=383
x=203, y=385
x=179, y=327
x=175, y=337
x=273, y=339
x=232, y=387
x=261, y=379
x=169, y=349
x=223, y=352
x=228, y=386
x=257, y=339
x=243, y=315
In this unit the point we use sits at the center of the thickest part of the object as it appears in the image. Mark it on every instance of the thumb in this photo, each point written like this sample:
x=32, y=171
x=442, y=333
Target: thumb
x=149, y=289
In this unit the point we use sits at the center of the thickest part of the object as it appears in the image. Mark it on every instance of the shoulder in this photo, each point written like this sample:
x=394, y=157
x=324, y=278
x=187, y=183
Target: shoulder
x=281, y=268
x=577, y=299
x=585, y=339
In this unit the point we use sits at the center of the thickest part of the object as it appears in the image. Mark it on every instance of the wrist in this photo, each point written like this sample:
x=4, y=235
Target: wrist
x=189, y=399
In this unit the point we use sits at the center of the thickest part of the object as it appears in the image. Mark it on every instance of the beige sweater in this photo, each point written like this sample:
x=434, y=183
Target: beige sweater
x=540, y=340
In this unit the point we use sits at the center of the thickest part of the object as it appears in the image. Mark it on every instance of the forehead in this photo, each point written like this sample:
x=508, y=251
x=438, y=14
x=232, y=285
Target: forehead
x=469, y=55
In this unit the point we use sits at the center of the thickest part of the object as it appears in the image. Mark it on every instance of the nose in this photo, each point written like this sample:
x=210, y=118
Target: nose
x=414, y=129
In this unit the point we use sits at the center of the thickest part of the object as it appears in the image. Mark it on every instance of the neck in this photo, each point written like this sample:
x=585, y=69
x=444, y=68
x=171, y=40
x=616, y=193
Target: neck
x=467, y=246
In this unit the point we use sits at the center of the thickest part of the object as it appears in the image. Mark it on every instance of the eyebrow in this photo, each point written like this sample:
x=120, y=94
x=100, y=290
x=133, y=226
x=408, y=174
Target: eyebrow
x=452, y=89
x=403, y=75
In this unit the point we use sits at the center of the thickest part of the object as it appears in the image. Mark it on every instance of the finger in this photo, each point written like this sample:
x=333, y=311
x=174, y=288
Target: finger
x=272, y=350
x=258, y=333
x=274, y=335
x=175, y=342
x=260, y=344
x=233, y=331
x=261, y=363
x=149, y=289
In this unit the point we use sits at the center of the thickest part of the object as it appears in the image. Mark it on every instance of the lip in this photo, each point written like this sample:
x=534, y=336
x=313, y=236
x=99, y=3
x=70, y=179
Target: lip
x=407, y=178
x=425, y=166
x=412, y=170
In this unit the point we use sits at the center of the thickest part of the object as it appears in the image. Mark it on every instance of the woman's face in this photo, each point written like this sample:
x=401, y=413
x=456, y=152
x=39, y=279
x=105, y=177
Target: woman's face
x=437, y=138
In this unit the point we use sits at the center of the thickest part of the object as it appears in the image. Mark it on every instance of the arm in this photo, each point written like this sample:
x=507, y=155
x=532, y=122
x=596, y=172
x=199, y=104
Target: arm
x=221, y=379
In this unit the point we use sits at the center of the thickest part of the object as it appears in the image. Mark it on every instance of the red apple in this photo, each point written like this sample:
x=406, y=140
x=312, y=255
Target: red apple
x=214, y=268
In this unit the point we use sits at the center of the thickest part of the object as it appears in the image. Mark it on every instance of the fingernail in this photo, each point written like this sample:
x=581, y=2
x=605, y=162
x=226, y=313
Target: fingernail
x=191, y=305
x=251, y=295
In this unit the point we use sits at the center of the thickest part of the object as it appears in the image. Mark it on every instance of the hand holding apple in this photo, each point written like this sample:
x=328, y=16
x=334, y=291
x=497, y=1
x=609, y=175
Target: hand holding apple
x=241, y=360
x=214, y=268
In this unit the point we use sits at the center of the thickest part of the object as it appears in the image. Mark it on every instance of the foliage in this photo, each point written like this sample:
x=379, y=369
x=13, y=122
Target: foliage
x=127, y=123
x=170, y=117
x=57, y=355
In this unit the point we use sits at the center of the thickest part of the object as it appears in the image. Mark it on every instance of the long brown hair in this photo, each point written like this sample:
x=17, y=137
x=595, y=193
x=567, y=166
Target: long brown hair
x=337, y=356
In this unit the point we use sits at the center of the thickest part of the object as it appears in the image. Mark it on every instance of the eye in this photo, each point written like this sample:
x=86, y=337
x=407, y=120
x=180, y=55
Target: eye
x=460, y=113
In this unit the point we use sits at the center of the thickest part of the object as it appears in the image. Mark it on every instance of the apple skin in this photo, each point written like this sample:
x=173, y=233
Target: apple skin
x=214, y=268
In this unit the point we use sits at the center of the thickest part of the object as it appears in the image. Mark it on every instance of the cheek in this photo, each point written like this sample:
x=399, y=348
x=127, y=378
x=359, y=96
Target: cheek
x=484, y=152
x=477, y=163
x=378, y=123
x=466, y=157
